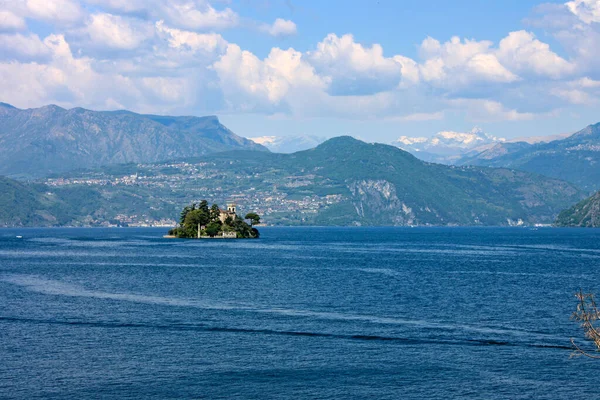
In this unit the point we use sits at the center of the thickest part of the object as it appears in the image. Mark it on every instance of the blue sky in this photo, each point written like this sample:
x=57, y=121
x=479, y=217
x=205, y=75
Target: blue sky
x=375, y=69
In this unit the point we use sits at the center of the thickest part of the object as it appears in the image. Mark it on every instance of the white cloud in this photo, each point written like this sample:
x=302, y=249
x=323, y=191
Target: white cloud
x=253, y=84
x=458, y=63
x=587, y=11
x=23, y=48
x=489, y=110
x=353, y=68
x=166, y=88
x=157, y=54
x=9, y=21
x=586, y=82
x=573, y=96
x=521, y=52
x=409, y=71
x=57, y=11
x=197, y=15
x=191, y=41
x=116, y=32
x=280, y=28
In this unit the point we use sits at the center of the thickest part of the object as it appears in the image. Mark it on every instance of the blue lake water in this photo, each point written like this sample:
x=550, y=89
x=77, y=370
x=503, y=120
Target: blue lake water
x=328, y=313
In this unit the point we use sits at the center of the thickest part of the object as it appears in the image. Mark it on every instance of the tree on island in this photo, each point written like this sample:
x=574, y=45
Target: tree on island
x=215, y=212
x=198, y=220
x=212, y=229
x=253, y=217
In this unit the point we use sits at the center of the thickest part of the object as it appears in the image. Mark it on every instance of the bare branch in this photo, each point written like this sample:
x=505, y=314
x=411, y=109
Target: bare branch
x=587, y=314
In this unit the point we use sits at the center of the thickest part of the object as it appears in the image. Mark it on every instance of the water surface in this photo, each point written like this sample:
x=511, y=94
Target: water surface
x=328, y=313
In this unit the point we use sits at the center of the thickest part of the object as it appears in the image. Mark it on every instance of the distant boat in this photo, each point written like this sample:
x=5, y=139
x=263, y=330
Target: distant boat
x=19, y=237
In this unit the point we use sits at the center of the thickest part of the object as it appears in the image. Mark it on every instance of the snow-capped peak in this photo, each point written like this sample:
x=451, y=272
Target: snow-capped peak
x=411, y=140
x=447, y=144
x=264, y=140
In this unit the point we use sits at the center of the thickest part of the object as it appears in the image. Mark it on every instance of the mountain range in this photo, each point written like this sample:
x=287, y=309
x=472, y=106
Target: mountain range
x=575, y=158
x=39, y=141
x=447, y=147
x=343, y=181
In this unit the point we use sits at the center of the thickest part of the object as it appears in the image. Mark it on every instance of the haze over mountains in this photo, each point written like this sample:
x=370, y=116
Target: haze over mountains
x=288, y=144
x=51, y=139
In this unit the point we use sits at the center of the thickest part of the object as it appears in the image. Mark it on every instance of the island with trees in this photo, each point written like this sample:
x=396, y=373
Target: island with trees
x=200, y=221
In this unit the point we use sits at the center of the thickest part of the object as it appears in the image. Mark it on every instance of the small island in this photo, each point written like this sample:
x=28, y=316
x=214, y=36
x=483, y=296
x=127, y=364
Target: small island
x=199, y=221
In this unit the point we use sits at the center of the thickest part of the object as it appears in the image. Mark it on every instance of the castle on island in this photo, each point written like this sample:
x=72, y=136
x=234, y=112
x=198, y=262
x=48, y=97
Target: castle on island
x=199, y=221
x=230, y=212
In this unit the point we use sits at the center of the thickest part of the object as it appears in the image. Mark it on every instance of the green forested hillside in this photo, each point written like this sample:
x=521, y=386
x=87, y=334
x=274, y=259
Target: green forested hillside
x=341, y=182
x=39, y=205
x=584, y=214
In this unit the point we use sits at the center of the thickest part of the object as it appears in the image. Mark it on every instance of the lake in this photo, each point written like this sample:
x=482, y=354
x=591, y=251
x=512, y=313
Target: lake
x=327, y=313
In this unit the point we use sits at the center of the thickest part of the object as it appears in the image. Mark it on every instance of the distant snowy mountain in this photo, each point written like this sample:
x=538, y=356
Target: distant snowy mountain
x=447, y=146
x=288, y=144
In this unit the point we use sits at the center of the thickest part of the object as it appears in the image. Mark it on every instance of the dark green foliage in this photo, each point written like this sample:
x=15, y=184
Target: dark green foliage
x=207, y=221
x=215, y=212
x=212, y=229
x=203, y=206
x=584, y=214
x=186, y=210
x=253, y=217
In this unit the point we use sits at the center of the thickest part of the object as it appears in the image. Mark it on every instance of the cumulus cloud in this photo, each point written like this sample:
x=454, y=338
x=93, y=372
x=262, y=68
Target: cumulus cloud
x=521, y=52
x=354, y=69
x=253, y=84
x=191, y=41
x=458, y=63
x=156, y=55
x=586, y=10
x=23, y=48
x=280, y=28
x=116, y=32
x=197, y=15
x=10, y=21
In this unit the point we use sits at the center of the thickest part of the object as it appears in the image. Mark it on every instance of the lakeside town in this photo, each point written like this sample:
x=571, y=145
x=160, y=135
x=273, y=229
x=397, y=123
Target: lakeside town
x=279, y=198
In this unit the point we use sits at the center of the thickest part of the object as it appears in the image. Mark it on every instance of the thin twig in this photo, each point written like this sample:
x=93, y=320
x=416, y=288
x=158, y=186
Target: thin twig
x=587, y=313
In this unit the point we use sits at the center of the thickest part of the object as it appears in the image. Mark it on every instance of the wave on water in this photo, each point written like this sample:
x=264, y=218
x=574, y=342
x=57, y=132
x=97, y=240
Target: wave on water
x=206, y=328
x=53, y=287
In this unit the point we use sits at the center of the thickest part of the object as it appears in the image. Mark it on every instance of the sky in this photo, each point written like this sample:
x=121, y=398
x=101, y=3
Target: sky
x=375, y=69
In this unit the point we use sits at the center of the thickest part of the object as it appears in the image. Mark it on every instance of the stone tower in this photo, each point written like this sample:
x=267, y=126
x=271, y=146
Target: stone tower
x=231, y=207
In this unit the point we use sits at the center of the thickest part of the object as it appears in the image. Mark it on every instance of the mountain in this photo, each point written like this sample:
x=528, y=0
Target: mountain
x=447, y=147
x=343, y=181
x=37, y=142
x=584, y=214
x=574, y=159
x=288, y=144
x=35, y=204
